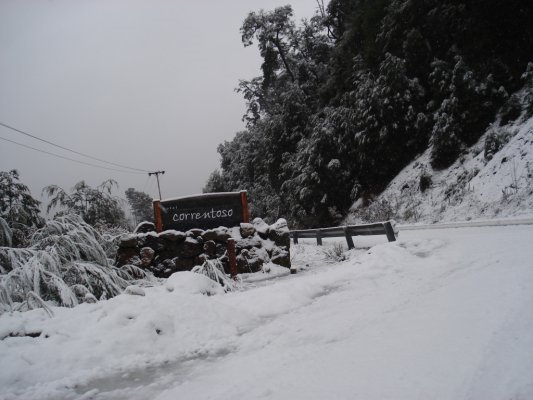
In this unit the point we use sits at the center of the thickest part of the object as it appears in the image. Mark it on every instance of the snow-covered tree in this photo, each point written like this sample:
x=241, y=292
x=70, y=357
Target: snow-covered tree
x=94, y=205
x=349, y=97
x=18, y=209
x=141, y=204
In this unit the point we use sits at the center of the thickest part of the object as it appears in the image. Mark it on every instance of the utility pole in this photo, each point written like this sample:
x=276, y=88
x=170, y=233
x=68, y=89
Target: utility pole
x=156, y=173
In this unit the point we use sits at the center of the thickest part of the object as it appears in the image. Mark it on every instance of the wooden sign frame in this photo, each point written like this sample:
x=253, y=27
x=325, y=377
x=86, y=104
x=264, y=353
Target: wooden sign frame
x=185, y=210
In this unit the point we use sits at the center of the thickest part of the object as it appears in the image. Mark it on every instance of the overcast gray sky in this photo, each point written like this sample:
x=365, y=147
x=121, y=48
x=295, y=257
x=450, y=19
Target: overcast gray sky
x=144, y=83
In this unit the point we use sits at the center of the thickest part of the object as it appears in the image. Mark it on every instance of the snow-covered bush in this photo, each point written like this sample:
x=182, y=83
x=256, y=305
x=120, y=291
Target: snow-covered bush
x=495, y=140
x=511, y=109
x=425, y=181
x=65, y=265
x=109, y=238
x=379, y=210
x=214, y=269
x=334, y=253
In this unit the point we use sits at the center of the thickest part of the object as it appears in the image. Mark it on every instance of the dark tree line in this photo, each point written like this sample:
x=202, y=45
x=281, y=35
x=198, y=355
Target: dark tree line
x=349, y=97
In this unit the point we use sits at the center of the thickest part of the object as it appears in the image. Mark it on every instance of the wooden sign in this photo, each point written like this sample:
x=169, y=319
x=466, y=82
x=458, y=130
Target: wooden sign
x=206, y=211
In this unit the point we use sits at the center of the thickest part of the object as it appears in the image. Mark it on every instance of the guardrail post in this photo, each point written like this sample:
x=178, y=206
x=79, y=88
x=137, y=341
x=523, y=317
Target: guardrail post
x=348, y=236
x=389, y=231
x=318, y=237
x=295, y=237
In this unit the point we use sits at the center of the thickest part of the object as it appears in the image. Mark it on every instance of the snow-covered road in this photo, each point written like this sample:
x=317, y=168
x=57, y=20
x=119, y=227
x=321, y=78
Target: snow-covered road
x=439, y=314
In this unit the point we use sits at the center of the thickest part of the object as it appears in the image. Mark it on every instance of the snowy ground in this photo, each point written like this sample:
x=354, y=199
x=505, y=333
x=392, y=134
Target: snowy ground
x=439, y=314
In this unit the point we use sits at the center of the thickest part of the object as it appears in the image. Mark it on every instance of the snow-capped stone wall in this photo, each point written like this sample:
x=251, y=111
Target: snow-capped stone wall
x=172, y=251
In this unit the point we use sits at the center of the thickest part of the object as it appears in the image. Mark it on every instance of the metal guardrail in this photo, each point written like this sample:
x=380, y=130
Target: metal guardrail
x=470, y=224
x=390, y=229
x=379, y=228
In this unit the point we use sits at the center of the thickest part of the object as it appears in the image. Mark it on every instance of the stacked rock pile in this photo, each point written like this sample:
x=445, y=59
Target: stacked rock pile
x=171, y=251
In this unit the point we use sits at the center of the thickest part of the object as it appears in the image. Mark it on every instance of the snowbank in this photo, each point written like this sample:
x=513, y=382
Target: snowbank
x=438, y=314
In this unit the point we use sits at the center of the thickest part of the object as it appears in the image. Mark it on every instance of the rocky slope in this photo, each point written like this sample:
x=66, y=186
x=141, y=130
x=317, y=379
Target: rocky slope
x=487, y=181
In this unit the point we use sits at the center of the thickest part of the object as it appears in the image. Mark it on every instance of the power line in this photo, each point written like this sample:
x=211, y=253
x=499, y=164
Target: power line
x=73, y=151
x=151, y=187
x=71, y=159
x=146, y=183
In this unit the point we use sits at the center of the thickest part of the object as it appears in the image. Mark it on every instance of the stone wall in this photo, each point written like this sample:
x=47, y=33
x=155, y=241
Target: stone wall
x=172, y=251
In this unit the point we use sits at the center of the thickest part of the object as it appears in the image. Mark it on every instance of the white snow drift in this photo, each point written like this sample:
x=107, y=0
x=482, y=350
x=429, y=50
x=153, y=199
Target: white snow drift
x=437, y=315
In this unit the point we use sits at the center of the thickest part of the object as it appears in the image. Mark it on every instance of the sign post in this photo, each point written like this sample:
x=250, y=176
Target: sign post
x=232, y=258
x=157, y=216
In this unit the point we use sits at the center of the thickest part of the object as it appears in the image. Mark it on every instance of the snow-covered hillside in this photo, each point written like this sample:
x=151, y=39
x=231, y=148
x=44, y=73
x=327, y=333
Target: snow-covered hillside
x=472, y=188
x=439, y=314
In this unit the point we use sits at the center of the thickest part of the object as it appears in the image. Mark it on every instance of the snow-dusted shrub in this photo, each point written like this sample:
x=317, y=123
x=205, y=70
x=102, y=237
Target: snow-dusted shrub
x=71, y=239
x=411, y=212
x=214, y=269
x=334, y=253
x=65, y=265
x=109, y=238
x=511, y=109
x=456, y=189
x=425, y=181
x=494, y=141
x=379, y=210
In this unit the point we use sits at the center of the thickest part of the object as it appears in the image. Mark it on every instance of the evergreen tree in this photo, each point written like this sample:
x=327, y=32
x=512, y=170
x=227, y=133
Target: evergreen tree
x=18, y=208
x=141, y=204
x=215, y=183
x=464, y=104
